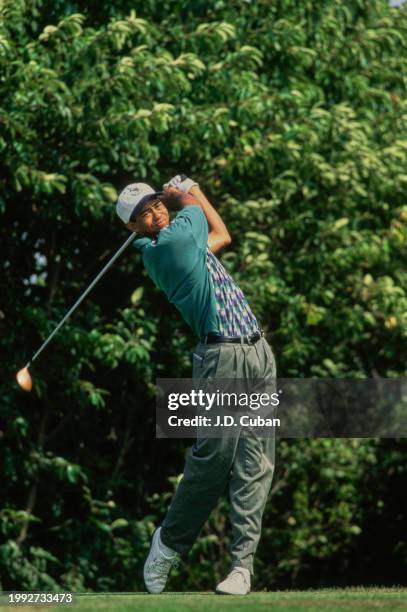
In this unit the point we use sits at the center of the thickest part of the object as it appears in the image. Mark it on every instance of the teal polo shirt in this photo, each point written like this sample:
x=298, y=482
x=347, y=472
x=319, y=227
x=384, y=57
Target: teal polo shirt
x=176, y=263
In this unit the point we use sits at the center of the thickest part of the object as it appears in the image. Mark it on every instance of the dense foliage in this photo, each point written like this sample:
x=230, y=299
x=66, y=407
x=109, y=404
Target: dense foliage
x=293, y=118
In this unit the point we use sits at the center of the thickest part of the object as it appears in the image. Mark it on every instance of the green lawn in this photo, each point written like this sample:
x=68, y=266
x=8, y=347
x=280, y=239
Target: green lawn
x=288, y=601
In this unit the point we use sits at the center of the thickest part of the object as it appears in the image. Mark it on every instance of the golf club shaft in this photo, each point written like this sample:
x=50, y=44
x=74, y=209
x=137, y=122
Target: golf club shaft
x=82, y=297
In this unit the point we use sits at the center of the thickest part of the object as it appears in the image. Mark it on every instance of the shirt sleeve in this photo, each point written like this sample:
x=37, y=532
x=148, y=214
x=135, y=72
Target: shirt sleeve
x=191, y=219
x=140, y=243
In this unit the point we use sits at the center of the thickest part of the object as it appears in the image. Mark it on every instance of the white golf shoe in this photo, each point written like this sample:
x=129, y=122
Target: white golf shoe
x=236, y=583
x=158, y=564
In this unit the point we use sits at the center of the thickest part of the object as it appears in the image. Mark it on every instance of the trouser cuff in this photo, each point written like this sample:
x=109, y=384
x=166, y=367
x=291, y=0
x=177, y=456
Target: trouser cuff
x=246, y=563
x=181, y=549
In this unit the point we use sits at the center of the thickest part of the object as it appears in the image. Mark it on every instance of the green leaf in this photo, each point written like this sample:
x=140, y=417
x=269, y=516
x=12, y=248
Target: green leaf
x=137, y=295
x=118, y=523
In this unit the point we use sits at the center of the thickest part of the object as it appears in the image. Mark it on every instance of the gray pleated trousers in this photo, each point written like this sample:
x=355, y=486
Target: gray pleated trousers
x=243, y=462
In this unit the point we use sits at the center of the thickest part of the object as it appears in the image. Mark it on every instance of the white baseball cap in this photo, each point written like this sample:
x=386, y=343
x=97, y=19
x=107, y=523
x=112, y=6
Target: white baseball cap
x=132, y=200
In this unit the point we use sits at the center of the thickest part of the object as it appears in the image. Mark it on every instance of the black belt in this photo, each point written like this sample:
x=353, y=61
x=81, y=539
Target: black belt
x=213, y=338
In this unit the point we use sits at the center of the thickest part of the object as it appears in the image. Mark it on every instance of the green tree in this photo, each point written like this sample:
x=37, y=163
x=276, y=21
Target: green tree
x=292, y=117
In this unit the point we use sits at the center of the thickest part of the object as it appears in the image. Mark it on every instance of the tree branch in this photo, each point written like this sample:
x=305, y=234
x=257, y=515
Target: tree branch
x=32, y=494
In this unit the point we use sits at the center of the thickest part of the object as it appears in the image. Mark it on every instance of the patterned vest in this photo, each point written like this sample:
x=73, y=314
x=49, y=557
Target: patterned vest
x=235, y=315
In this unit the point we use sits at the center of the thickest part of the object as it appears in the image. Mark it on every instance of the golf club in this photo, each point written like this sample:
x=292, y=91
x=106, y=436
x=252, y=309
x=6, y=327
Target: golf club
x=23, y=376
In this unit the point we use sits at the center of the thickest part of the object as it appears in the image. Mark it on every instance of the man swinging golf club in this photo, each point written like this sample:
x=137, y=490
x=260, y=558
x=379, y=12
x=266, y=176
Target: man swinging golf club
x=179, y=256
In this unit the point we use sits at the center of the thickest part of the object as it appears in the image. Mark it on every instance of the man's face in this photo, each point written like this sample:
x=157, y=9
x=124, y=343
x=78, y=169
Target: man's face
x=152, y=219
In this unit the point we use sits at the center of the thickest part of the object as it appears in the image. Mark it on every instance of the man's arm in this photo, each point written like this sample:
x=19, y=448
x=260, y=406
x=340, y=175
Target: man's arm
x=219, y=236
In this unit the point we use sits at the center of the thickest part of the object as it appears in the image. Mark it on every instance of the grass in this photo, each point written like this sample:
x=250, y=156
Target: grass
x=331, y=600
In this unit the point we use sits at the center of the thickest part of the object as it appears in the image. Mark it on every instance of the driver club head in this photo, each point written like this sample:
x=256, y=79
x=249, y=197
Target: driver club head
x=24, y=379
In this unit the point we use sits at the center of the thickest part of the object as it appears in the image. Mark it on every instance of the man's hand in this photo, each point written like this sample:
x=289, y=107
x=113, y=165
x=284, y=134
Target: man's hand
x=174, y=198
x=181, y=182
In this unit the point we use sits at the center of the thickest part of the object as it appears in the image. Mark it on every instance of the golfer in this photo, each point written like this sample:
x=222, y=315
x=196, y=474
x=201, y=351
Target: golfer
x=179, y=256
